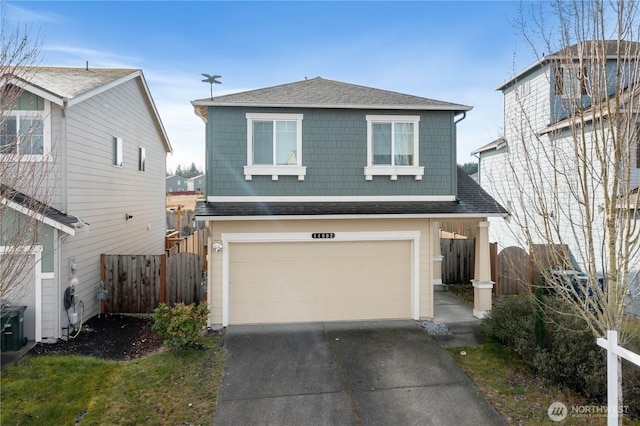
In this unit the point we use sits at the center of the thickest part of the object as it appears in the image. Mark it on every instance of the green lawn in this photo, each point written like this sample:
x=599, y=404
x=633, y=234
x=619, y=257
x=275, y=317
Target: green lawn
x=171, y=387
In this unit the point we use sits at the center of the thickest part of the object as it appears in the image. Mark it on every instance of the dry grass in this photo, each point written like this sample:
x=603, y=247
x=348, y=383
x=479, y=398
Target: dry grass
x=517, y=394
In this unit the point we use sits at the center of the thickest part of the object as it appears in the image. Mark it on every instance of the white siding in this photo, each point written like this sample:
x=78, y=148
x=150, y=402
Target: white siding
x=102, y=194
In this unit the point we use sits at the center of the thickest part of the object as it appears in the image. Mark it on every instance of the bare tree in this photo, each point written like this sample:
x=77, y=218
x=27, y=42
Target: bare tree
x=26, y=165
x=573, y=161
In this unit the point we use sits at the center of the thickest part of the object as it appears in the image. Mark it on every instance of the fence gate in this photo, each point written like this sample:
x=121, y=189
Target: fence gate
x=184, y=278
x=513, y=271
x=458, y=260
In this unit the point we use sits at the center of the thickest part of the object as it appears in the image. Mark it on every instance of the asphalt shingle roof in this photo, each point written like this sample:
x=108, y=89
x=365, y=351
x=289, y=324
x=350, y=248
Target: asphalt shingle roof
x=70, y=82
x=37, y=207
x=471, y=200
x=324, y=93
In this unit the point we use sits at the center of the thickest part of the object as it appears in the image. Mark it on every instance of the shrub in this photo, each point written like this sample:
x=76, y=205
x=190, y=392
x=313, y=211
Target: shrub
x=512, y=322
x=180, y=325
x=562, y=349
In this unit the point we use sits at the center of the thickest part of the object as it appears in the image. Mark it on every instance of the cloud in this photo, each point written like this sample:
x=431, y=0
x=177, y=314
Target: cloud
x=77, y=56
x=17, y=14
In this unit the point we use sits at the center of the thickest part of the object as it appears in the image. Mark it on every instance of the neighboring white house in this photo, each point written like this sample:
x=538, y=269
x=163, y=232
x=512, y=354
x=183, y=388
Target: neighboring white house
x=104, y=139
x=196, y=183
x=533, y=169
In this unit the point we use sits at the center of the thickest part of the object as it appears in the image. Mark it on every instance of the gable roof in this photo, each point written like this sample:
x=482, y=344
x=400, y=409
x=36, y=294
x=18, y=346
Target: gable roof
x=323, y=93
x=31, y=207
x=66, y=86
x=582, y=50
x=496, y=144
x=472, y=201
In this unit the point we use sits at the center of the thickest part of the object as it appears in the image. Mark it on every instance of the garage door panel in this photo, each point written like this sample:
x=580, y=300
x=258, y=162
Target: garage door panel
x=319, y=281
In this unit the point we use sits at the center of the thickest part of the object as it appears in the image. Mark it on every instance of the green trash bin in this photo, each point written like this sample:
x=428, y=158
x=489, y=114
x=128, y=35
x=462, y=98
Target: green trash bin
x=12, y=328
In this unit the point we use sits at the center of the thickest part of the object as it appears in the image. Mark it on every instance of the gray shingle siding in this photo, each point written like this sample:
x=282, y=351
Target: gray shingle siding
x=334, y=151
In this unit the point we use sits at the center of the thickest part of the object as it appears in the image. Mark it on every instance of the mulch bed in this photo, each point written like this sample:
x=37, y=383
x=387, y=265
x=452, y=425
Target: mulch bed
x=113, y=336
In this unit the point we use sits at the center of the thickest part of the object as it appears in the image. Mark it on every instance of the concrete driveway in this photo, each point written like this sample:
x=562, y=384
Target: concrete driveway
x=360, y=373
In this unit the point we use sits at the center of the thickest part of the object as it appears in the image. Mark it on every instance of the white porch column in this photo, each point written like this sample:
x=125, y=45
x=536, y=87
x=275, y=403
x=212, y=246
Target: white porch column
x=437, y=253
x=482, y=284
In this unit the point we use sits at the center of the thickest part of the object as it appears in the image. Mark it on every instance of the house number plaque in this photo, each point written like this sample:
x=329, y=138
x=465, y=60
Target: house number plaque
x=320, y=235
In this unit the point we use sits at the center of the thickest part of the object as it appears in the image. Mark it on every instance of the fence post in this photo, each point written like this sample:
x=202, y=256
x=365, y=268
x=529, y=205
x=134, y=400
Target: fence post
x=163, y=278
x=613, y=352
x=610, y=344
x=103, y=278
x=493, y=256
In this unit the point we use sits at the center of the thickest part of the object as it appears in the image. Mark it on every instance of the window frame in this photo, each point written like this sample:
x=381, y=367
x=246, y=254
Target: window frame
x=274, y=170
x=393, y=170
x=117, y=152
x=142, y=159
x=577, y=79
x=45, y=116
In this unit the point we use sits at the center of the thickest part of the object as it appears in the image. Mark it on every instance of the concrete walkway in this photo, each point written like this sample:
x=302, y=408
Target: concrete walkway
x=360, y=373
x=458, y=317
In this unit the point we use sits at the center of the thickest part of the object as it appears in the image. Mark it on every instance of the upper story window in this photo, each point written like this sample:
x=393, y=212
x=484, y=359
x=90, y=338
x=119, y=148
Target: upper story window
x=571, y=81
x=392, y=146
x=117, y=152
x=24, y=129
x=523, y=89
x=274, y=145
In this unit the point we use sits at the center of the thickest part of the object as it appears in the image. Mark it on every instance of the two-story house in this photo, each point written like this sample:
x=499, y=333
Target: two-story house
x=196, y=184
x=176, y=183
x=324, y=200
x=96, y=150
x=549, y=168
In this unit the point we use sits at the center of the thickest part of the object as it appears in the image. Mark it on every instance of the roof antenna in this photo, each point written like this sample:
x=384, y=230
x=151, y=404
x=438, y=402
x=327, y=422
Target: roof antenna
x=211, y=79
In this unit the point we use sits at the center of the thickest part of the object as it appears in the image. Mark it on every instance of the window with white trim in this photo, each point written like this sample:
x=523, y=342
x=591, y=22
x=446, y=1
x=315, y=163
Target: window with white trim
x=274, y=145
x=24, y=130
x=117, y=152
x=392, y=146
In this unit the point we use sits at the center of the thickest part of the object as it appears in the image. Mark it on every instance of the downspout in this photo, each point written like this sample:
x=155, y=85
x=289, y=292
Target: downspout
x=63, y=155
x=455, y=156
x=57, y=241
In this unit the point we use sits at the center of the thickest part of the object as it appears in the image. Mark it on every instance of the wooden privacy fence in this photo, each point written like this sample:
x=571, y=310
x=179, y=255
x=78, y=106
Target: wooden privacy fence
x=194, y=243
x=139, y=283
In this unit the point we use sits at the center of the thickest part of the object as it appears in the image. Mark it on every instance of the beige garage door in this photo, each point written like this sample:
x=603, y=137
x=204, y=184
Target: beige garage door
x=279, y=282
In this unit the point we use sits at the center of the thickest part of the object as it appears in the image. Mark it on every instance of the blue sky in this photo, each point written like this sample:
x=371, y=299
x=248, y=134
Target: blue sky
x=454, y=51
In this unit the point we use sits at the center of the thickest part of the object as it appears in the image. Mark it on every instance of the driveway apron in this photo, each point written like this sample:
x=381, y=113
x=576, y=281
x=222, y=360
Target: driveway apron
x=359, y=373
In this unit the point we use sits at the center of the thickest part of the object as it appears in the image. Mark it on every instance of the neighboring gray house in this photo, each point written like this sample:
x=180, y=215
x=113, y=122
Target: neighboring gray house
x=106, y=146
x=176, y=183
x=324, y=201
